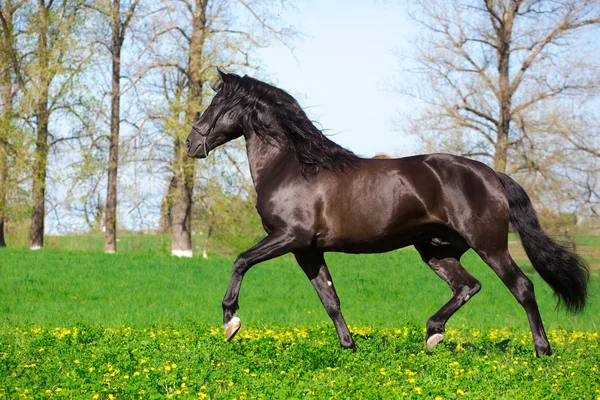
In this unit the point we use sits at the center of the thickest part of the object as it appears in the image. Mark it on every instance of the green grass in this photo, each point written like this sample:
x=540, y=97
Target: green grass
x=113, y=311
x=52, y=287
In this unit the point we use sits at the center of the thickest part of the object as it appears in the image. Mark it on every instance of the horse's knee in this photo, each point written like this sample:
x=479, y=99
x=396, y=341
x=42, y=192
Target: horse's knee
x=240, y=265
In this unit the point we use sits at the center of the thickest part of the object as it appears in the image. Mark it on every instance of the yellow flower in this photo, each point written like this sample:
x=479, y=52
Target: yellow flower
x=460, y=392
x=439, y=398
x=418, y=390
x=91, y=369
x=96, y=396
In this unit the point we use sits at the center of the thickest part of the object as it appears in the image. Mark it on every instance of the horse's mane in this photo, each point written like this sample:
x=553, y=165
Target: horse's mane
x=276, y=116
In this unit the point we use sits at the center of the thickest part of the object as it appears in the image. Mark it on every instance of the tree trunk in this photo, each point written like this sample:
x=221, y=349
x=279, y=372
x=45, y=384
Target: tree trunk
x=38, y=216
x=36, y=233
x=165, y=222
x=110, y=243
x=181, y=212
x=504, y=93
x=3, y=169
x=183, y=166
x=3, y=187
x=5, y=121
x=4, y=127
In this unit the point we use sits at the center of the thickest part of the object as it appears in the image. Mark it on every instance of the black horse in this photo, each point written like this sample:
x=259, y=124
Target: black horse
x=314, y=196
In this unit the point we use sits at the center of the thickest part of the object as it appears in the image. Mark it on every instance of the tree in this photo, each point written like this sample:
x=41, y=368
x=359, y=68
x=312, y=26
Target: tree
x=492, y=71
x=8, y=93
x=6, y=86
x=189, y=39
x=112, y=9
x=46, y=62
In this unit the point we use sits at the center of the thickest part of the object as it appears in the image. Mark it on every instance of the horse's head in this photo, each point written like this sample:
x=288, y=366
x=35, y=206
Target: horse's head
x=219, y=124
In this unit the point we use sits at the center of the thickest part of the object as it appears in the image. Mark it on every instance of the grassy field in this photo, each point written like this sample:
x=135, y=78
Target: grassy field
x=142, y=324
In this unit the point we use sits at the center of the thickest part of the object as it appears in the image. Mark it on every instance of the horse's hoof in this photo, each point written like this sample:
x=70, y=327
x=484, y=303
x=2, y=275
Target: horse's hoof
x=544, y=351
x=433, y=340
x=232, y=327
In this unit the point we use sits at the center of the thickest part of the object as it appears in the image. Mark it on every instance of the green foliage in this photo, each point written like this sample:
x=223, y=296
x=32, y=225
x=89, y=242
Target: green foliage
x=558, y=223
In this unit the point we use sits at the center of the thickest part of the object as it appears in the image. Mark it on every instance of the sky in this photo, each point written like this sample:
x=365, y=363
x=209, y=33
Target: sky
x=342, y=70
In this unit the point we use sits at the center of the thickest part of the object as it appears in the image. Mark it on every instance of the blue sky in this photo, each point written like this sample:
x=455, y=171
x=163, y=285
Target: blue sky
x=341, y=71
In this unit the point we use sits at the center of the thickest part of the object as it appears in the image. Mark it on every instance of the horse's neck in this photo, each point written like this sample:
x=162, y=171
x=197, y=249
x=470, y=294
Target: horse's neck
x=266, y=158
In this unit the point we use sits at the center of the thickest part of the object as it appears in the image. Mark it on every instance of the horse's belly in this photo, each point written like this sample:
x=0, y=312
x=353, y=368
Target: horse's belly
x=362, y=242
x=365, y=248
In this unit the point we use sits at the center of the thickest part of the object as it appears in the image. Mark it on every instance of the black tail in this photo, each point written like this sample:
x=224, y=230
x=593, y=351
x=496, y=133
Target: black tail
x=561, y=268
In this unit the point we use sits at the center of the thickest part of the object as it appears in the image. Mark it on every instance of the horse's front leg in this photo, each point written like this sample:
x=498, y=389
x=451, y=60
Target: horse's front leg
x=315, y=268
x=270, y=247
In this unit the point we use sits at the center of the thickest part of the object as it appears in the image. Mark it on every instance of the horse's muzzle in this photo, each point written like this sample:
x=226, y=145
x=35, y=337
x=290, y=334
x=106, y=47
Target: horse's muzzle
x=197, y=149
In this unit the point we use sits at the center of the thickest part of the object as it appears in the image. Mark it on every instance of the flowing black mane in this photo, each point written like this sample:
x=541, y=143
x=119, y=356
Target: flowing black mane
x=276, y=116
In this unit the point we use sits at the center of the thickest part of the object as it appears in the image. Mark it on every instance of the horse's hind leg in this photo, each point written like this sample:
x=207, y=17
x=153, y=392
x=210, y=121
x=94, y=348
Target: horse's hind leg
x=315, y=268
x=522, y=288
x=444, y=260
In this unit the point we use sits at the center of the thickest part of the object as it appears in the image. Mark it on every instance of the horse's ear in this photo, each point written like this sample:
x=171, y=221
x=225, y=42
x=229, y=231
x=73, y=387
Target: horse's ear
x=224, y=75
x=216, y=83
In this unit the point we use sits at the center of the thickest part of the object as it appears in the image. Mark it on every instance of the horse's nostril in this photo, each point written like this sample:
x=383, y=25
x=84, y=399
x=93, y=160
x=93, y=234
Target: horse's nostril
x=187, y=144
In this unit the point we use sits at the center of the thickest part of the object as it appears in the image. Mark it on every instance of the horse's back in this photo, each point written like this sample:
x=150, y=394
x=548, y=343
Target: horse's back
x=389, y=203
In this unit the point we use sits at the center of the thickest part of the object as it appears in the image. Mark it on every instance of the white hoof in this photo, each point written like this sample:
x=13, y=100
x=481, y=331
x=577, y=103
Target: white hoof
x=232, y=327
x=433, y=340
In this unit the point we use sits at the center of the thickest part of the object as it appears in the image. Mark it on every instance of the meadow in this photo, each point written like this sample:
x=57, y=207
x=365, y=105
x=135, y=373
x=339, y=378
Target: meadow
x=141, y=324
